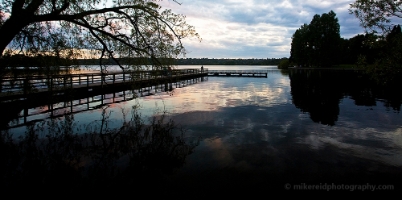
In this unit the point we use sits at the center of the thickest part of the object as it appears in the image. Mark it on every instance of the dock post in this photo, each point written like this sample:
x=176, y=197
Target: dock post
x=51, y=85
x=25, y=86
x=102, y=78
x=64, y=82
x=25, y=114
x=50, y=107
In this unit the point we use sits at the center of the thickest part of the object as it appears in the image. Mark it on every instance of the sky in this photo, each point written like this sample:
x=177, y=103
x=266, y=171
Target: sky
x=254, y=28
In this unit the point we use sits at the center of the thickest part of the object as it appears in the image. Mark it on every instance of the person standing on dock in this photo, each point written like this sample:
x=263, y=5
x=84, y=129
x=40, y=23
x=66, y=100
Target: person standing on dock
x=202, y=68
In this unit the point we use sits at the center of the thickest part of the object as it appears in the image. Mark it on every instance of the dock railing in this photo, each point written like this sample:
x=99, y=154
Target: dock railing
x=30, y=111
x=32, y=83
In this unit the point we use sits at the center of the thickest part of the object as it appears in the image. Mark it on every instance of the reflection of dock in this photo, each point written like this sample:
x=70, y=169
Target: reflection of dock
x=22, y=112
x=242, y=73
x=23, y=87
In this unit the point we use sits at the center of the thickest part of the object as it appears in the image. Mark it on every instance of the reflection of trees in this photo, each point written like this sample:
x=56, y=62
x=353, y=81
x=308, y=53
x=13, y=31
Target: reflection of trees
x=316, y=94
x=284, y=72
x=55, y=154
x=320, y=91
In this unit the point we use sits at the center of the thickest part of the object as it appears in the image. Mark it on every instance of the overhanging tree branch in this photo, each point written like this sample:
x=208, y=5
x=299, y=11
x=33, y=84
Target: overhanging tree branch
x=376, y=15
x=127, y=29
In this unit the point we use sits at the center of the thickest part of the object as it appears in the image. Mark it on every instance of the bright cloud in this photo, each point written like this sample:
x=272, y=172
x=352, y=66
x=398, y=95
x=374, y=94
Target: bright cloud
x=255, y=28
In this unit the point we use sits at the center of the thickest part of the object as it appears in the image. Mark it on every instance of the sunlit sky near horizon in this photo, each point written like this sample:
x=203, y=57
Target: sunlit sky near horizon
x=254, y=28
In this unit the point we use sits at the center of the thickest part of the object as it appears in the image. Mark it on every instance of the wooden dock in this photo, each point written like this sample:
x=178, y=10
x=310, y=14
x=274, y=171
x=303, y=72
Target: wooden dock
x=242, y=73
x=25, y=111
x=61, y=84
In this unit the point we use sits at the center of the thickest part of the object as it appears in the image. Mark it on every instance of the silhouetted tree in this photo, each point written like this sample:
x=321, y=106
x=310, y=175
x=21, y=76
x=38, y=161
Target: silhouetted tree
x=284, y=64
x=360, y=47
x=388, y=67
x=299, y=47
x=376, y=15
x=324, y=38
x=102, y=29
x=317, y=44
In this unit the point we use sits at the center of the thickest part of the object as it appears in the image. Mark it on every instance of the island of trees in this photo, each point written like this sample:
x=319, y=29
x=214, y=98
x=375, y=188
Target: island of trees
x=320, y=45
x=377, y=51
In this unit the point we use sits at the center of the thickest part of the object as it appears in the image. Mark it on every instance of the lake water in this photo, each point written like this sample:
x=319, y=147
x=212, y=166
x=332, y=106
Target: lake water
x=285, y=132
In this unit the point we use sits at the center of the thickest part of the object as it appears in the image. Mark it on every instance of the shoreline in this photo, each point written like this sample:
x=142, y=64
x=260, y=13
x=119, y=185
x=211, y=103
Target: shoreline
x=318, y=68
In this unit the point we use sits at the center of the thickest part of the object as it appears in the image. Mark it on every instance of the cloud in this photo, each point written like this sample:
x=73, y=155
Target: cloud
x=256, y=28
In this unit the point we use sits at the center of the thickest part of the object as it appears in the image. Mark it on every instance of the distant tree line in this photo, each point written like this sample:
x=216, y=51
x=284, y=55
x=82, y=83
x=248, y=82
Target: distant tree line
x=191, y=61
x=207, y=61
x=19, y=60
x=24, y=65
x=41, y=61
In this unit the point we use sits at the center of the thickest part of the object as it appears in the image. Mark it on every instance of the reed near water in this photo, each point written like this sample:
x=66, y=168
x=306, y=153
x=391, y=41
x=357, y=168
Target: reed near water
x=55, y=155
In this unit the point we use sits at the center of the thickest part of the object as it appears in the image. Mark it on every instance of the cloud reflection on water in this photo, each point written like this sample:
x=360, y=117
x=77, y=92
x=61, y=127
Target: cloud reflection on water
x=251, y=125
x=223, y=92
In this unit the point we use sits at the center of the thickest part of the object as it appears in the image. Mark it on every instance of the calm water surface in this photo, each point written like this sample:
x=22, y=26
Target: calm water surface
x=259, y=134
x=262, y=133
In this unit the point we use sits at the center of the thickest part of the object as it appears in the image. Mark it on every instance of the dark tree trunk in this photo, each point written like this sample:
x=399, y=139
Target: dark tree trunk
x=20, y=17
x=10, y=29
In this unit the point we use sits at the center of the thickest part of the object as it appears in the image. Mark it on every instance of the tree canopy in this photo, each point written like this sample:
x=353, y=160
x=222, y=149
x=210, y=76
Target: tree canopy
x=377, y=14
x=71, y=29
x=317, y=44
x=378, y=17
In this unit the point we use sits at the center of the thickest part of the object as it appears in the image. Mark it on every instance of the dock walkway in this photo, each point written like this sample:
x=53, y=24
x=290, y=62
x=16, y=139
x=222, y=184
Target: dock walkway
x=243, y=73
x=20, y=87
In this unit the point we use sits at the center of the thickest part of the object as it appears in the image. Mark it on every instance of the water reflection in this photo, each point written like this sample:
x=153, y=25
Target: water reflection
x=259, y=134
x=257, y=150
x=263, y=134
x=56, y=156
x=22, y=112
x=319, y=92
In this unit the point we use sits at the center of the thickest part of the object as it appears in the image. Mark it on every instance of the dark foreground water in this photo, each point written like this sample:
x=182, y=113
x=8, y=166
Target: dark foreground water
x=293, y=131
